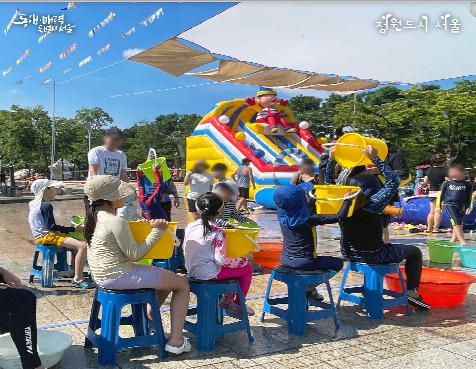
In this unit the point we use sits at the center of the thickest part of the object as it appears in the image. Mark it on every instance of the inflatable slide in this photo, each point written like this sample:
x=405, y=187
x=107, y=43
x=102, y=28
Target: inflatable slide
x=229, y=133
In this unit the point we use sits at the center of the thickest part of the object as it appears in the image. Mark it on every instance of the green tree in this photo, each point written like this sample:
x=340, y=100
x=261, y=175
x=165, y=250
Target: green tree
x=93, y=119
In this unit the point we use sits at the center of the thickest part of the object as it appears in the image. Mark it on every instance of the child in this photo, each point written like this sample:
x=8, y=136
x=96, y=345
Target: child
x=166, y=203
x=361, y=233
x=150, y=195
x=457, y=195
x=113, y=251
x=299, y=236
x=219, y=172
x=205, y=253
x=47, y=232
x=228, y=193
x=129, y=211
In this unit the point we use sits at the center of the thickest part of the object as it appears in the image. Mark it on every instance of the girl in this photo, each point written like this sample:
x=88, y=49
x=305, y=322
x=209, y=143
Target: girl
x=205, y=253
x=361, y=233
x=200, y=182
x=299, y=236
x=113, y=251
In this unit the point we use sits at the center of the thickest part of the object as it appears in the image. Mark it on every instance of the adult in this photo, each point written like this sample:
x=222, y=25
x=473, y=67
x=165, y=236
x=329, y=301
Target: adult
x=200, y=182
x=243, y=176
x=306, y=174
x=18, y=308
x=395, y=160
x=108, y=159
x=435, y=177
x=166, y=203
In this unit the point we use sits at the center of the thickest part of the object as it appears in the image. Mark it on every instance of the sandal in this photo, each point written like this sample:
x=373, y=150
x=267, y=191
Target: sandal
x=83, y=284
x=314, y=295
x=186, y=347
x=418, y=302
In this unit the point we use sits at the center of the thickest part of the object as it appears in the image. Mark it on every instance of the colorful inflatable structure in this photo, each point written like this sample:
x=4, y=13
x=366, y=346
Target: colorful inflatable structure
x=229, y=133
x=416, y=211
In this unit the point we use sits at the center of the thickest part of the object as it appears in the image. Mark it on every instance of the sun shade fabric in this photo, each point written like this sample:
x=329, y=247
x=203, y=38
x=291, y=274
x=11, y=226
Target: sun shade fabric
x=317, y=79
x=173, y=57
x=346, y=86
x=273, y=78
x=228, y=70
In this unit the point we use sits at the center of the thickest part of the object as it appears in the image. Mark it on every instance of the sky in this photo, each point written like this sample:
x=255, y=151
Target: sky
x=115, y=88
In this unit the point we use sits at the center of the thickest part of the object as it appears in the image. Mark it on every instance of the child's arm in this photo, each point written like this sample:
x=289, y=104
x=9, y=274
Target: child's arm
x=220, y=253
x=321, y=219
x=47, y=213
x=126, y=242
x=329, y=173
x=470, y=191
x=380, y=200
x=441, y=195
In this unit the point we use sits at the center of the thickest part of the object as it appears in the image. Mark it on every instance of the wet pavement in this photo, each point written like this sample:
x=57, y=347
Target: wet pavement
x=443, y=337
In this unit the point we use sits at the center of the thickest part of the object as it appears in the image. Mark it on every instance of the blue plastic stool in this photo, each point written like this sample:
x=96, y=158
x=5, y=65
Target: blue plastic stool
x=46, y=271
x=372, y=291
x=209, y=323
x=108, y=342
x=177, y=260
x=298, y=314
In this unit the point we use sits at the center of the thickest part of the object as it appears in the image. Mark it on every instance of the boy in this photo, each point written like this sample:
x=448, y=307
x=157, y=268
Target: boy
x=228, y=193
x=47, y=232
x=219, y=172
x=457, y=195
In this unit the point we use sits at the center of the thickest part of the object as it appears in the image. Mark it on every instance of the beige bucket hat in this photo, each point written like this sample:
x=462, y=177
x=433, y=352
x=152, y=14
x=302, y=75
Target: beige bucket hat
x=105, y=187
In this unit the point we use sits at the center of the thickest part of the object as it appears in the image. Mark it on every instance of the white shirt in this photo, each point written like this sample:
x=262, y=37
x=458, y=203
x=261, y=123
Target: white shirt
x=110, y=162
x=199, y=184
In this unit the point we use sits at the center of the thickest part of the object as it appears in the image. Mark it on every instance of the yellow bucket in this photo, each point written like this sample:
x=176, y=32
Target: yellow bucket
x=329, y=198
x=164, y=248
x=241, y=242
x=349, y=149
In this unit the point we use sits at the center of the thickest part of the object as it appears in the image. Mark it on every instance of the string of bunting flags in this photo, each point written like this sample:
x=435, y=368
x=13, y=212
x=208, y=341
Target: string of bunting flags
x=104, y=49
x=21, y=58
x=9, y=25
x=66, y=53
x=73, y=5
x=109, y=18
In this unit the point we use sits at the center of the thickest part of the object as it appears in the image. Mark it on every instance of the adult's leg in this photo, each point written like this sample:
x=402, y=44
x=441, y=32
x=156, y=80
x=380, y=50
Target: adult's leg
x=81, y=254
x=178, y=304
x=21, y=305
x=430, y=220
x=437, y=219
x=167, y=207
x=385, y=233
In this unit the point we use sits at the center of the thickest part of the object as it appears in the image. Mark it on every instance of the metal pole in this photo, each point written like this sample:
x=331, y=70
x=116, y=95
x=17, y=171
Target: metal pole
x=53, y=127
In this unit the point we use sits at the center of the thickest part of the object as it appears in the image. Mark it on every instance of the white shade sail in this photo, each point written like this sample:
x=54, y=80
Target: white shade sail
x=342, y=38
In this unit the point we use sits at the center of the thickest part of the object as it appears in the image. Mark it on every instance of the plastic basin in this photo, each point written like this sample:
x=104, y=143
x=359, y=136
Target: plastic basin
x=269, y=255
x=441, y=252
x=467, y=256
x=164, y=248
x=51, y=347
x=438, y=287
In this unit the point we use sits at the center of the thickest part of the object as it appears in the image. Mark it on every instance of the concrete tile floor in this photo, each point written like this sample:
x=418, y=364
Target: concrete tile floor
x=443, y=337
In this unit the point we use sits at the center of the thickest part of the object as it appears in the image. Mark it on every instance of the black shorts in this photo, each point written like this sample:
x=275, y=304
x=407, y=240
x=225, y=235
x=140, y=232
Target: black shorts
x=385, y=220
x=456, y=214
x=244, y=192
x=167, y=208
x=191, y=206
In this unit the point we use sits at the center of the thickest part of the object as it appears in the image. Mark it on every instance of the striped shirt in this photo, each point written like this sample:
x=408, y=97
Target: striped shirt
x=230, y=212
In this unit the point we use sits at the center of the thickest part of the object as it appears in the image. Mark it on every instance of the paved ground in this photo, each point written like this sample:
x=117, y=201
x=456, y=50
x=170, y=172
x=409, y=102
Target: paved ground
x=442, y=337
